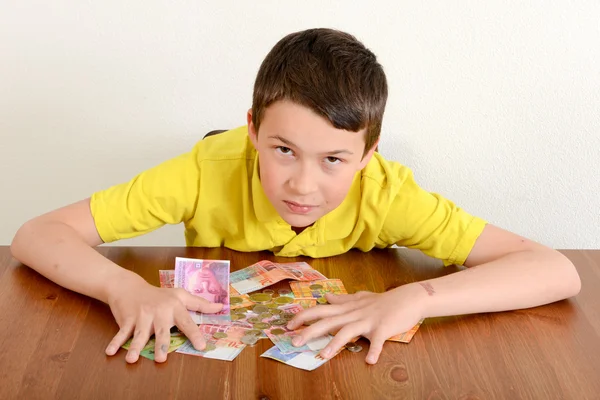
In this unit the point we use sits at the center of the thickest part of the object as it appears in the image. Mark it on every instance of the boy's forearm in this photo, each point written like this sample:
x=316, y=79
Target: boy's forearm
x=518, y=280
x=56, y=251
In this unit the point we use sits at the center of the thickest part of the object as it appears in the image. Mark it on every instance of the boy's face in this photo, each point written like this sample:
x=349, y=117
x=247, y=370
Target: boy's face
x=306, y=165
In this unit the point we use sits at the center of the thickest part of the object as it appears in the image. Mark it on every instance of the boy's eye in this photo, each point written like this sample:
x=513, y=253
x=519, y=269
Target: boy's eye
x=284, y=150
x=333, y=160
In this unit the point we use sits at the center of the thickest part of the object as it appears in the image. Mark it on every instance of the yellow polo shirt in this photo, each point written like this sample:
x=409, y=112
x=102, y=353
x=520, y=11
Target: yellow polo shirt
x=215, y=191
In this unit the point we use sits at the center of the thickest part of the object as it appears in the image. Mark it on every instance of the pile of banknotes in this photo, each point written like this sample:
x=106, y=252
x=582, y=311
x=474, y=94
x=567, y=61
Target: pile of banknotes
x=252, y=311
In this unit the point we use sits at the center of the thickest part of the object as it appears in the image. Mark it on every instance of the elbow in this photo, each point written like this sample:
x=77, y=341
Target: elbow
x=570, y=277
x=575, y=286
x=15, y=245
x=21, y=239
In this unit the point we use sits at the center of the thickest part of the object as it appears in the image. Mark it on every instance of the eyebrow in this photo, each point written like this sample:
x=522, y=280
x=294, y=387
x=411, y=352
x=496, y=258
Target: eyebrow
x=287, y=142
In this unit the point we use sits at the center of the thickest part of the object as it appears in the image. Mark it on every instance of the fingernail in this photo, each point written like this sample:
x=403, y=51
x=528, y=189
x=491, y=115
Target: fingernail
x=326, y=353
x=133, y=354
x=297, y=340
x=371, y=360
x=290, y=325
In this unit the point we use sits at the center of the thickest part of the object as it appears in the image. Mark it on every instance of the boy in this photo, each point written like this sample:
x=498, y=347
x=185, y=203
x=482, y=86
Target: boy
x=302, y=178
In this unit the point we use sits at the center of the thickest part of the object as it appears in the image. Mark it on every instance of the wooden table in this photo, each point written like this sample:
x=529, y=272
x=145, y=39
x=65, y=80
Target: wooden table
x=52, y=342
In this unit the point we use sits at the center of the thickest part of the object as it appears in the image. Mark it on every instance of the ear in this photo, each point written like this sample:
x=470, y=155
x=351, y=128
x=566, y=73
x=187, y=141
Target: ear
x=367, y=157
x=251, y=130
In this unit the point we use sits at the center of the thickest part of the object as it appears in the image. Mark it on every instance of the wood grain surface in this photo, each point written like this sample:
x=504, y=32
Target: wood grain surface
x=52, y=342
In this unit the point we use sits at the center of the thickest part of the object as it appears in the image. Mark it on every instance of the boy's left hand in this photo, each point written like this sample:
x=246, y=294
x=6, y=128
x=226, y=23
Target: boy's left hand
x=376, y=316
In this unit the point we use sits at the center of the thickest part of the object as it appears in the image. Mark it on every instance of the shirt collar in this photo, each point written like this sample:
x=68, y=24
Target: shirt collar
x=340, y=222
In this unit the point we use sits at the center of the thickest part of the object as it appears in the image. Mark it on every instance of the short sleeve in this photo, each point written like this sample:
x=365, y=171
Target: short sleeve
x=164, y=194
x=431, y=223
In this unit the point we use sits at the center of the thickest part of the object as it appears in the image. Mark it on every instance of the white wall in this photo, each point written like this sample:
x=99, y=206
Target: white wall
x=495, y=104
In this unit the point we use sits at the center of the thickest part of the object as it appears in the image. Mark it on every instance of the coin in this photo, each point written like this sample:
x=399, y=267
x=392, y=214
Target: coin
x=219, y=335
x=261, y=325
x=286, y=315
x=277, y=331
x=235, y=300
x=241, y=310
x=268, y=291
x=284, y=292
x=275, y=311
x=210, y=346
x=260, y=309
x=315, y=286
x=260, y=297
x=254, y=320
x=264, y=315
x=353, y=347
x=237, y=317
x=283, y=300
x=322, y=300
x=279, y=322
x=249, y=340
x=253, y=332
x=272, y=306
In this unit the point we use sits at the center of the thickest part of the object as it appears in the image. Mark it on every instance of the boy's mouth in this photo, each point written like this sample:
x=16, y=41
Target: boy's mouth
x=297, y=208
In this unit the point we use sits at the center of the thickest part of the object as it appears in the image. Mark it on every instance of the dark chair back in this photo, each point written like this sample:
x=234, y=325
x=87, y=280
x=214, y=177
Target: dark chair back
x=212, y=133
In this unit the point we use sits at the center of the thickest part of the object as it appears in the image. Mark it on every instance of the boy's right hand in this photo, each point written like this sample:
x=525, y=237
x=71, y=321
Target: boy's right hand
x=143, y=309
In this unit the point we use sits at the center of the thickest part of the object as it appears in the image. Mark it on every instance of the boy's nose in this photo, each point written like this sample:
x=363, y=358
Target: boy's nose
x=304, y=181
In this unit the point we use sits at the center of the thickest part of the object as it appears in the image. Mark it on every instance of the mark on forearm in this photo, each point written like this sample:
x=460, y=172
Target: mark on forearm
x=428, y=288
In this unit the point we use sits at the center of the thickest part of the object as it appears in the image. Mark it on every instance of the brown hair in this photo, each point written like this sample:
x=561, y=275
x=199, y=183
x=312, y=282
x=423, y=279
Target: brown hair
x=328, y=71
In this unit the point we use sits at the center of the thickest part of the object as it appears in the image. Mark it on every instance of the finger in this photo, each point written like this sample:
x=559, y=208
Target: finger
x=345, y=298
x=322, y=328
x=345, y=335
x=120, y=338
x=162, y=334
x=187, y=326
x=375, y=348
x=141, y=335
x=197, y=303
x=313, y=313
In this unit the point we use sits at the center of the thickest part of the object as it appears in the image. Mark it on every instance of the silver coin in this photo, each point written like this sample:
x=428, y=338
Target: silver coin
x=249, y=340
x=355, y=349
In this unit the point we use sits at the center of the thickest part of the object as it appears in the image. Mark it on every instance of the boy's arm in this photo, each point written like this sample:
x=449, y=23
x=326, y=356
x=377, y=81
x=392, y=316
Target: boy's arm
x=59, y=245
x=505, y=272
x=512, y=271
